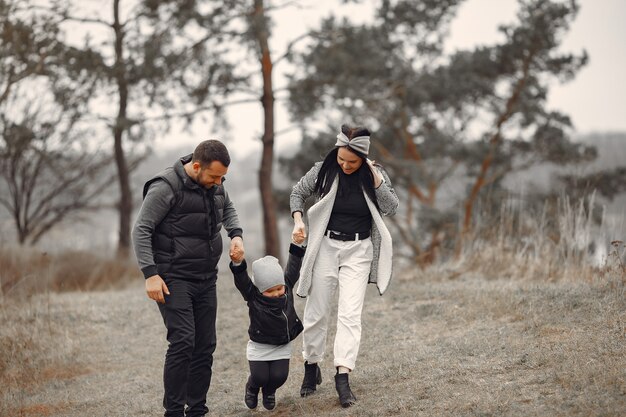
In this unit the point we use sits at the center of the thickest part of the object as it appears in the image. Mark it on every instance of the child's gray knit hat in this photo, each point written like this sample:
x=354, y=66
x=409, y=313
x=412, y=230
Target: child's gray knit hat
x=267, y=273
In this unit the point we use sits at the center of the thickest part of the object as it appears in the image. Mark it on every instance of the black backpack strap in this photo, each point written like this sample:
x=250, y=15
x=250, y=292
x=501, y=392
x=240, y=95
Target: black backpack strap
x=170, y=177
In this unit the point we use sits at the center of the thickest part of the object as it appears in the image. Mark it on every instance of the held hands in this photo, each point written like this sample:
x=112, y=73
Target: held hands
x=299, y=229
x=236, y=250
x=299, y=235
x=155, y=288
x=378, y=178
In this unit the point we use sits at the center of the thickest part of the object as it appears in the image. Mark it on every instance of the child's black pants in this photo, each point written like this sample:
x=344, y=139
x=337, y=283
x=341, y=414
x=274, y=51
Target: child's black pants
x=269, y=375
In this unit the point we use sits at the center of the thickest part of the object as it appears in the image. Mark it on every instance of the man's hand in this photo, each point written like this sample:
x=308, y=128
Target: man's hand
x=155, y=288
x=237, y=251
x=299, y=229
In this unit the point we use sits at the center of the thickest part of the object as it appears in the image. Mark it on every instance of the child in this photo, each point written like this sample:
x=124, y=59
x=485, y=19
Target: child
x=273, y=321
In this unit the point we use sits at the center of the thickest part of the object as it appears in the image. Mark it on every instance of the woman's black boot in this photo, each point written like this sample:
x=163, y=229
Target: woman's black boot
x=346, y=397
x=312, y=378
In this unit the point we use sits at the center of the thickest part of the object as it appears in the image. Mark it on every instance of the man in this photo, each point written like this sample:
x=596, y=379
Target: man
x=178, y=245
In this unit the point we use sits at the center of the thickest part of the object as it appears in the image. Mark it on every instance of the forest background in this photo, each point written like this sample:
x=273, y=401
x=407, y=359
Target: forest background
x=500, y=123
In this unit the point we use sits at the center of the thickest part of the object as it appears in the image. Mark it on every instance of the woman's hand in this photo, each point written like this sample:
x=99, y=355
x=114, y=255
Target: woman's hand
x=378, y=178
x=299, y=228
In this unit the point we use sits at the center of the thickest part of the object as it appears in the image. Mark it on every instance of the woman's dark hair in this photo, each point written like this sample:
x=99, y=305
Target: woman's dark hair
x=330, y=168
x=209, y=151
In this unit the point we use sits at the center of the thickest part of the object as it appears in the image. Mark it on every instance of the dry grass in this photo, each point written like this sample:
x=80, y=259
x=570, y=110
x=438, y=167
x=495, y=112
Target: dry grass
x=26, y=271
x=524, y=324
x=557, y=243
x=36, y=352
x=41, y=410
x=432, y=346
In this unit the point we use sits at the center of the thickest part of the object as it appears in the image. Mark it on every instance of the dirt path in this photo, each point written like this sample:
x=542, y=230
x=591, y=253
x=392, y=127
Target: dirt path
x=438, y=347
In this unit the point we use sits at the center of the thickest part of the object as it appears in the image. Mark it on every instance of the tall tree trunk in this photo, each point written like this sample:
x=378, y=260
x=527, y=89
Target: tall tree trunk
x=494, y=144
x=125, y=206
x=272, y=241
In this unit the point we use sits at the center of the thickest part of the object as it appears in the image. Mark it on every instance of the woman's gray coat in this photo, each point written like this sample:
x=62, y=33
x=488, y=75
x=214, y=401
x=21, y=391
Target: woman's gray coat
x=319, y=215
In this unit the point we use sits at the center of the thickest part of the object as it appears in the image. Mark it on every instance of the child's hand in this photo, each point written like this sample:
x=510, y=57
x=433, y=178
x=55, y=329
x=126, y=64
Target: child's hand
x=236, y=255
x=299, y=228
x=298, y=237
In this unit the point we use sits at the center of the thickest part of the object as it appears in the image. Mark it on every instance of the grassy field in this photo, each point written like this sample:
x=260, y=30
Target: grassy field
x=437, y=344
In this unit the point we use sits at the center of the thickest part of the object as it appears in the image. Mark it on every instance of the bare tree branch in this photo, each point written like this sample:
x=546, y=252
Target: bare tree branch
x=289, y=47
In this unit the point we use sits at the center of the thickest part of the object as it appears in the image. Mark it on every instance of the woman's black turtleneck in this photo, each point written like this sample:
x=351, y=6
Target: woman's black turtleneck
x=350, y=212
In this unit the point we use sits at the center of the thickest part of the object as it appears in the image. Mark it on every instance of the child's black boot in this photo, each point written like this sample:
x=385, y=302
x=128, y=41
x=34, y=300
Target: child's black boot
x=269, y=400
x=252, y=396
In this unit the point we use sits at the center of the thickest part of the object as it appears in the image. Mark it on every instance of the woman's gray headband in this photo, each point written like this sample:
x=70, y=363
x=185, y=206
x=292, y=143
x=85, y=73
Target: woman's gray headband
x=360, y=143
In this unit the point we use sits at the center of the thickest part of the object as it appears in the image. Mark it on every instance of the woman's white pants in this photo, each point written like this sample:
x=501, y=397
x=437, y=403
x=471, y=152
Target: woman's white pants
x=345, y=265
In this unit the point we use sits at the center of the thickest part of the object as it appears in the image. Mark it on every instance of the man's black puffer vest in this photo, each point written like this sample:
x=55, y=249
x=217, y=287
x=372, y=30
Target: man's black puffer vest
x=187, y=243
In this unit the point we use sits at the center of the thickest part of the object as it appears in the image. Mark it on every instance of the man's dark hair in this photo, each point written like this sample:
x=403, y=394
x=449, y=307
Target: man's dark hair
x=209, y=151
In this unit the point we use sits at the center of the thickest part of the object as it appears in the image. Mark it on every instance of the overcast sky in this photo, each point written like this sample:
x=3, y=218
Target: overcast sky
x=595, y=99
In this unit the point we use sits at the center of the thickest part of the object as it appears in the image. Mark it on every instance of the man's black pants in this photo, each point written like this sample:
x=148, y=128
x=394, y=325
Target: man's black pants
x=189, y=315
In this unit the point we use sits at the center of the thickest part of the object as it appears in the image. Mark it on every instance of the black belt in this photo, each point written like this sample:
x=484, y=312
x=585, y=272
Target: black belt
x=346, y=236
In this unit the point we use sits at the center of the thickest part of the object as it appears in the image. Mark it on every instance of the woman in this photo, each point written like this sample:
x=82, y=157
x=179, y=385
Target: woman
x=348, y=246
